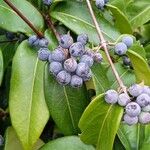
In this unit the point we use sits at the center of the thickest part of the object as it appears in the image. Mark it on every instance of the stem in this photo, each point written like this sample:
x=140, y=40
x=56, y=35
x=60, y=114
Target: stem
x=104, y=45
x=10, y=4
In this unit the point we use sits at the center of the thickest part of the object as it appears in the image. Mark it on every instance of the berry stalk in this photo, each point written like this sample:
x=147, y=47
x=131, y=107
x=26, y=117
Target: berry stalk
x=104, y=45
x=19, y=13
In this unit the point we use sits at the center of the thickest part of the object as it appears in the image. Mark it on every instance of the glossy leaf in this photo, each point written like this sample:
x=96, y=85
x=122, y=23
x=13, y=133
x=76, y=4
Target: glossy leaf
x=28, y=109
x=12, y=142
x=99, y=123
x=10, y=21
x=67, y=143
x=1, y=67
x=65, y=104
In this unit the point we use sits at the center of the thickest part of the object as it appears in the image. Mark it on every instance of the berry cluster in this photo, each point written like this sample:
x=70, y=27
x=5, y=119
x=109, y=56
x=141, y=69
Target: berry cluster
x=137, y=105
x=70, y=62
x=101, y=3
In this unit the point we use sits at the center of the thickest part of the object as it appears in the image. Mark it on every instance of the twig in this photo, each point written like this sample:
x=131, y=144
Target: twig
x=40, y=34
x=104, y=45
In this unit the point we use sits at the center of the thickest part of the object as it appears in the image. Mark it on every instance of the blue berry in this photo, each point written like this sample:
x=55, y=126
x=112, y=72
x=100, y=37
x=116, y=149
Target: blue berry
x=128, y=40
x=47, y=2
x=32, y=40
x=123, y=99
x=66, y=41
x=133, y=109
x=10, y=35
x=88, y=76
x=100, y=4
x=1, y=140
x=63, y=77
x=120, y=49
x=106, y=1
x=146, y=108
x=55, y=67
x=90, y=53
x=70, y=65
x=76, y=81
x=135, y=90
x=98, y=57
x=130, y=120
x=43, y=54
x=83, y=38
x=82, y=69
x=77, y=49
x=111, y=97
x=144, y=117
x=126, y=61
x=143, y=100
x=43, y=42
x=146, y=90
x=87, y=59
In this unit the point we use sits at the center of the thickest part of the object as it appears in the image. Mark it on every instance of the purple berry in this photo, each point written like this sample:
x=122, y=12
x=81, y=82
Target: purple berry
x=83, y=38
x=128, y=40
x=70, y=65
x=87, y=77
x=123, y=99
x=100, y=4
x=135, y=90
x=126, y=61
x=87, y=59
x=43, y=42
x=47, y=2
x=146, y=90
x=43, y=54
x=1, y=140
x=120, y=49
x=66, y=41
x=130, y=120
x=144, y=117
x=90, y=53
x=10, y=35
x=55, y=67
x=143, y=100
x=63, y=77
x=146, y=108
x=111, y=96
x=98, y=57
x=76, y=81
x=32, y=40
x=77, y=49
x=133, y=109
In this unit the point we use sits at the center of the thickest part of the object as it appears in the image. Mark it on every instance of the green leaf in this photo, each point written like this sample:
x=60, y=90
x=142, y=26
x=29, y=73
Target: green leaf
x=12, y=142
x=141, y=68
x=99, y=123
x=28, y=109
x=121, y=21
x=65, y=104
x=1, y=67
x=67, y=143
x=10, y=21
x=76, y=17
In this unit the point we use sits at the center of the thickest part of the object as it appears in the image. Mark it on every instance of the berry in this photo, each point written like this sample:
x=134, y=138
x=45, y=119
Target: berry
x=130, y=120
x=43, y=42
x=98, y=57
x=50, y=57
x=47, y=2
x=82, y=69
x=58, y=55
x=89, y=53
x=128, y=40
x=143, y=100
x=63, y=77
x=133, y=109
x=146, y=108
x=87, y=59
x=70, y=65
x=120, y=49
x=32, y=40
x=106, y=1
x=135, y=90
x=1, y=140
x=126, y=61
x=66, y=41
x=43, y=54
x=100, y=4
x=123, y=99
x=55, y=67
x=111, y=96
x=146, y=90
x=10, y=35
x=83, y=38
x=77, y=49
x=144, y=117
x=88, y=76
x=76, y=81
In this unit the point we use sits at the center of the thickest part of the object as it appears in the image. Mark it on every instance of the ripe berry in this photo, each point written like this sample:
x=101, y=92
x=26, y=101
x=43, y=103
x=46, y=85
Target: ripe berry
x=1, y=140
x=128, y=40
x=111, y=96
x=120, y=49
x=135, y=90
x=100, y=4
x=83, y=38
x=87, y=77
x=55, y=67
x=144, y=117
x=43, y=54
x=130, y=120
x=66, y=41
x=43, y=42
x=146, y=90
x=47, y=2
x=87, y=59
x=90, y=53
x=133, y=109
x=70, y=65
x=126, y=61
x=146, y=108
x=82, y=69
x=98, y=57
x=63, y=77
x=32, y=40
x=143, y=100
x=123, y=99
x=77, y=49
x=76, y=81
x=106, y=1
x=10, y=35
